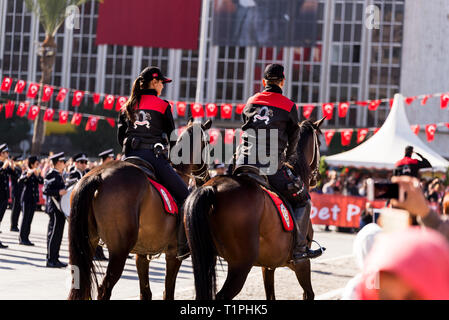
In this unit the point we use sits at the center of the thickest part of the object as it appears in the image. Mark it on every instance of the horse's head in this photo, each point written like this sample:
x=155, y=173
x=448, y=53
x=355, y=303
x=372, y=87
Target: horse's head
x=308, y=152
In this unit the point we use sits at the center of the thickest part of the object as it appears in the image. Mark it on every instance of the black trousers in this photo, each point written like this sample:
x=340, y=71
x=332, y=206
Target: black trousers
x=28, y=213
x=55, y=233
x=15, y=211
x=3, y=206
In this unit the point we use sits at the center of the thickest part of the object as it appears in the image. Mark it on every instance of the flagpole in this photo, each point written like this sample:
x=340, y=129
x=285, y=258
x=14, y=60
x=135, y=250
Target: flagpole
x=202, y=51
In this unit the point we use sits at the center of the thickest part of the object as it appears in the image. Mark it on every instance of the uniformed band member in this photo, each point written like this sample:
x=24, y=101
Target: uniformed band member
x=145, y=122
x=16, y=192
x=410, y=167
x=29, y=198
x=54, y=188
x=271, y=110
x=106, y=156
x=5, y=171
x=79, y=169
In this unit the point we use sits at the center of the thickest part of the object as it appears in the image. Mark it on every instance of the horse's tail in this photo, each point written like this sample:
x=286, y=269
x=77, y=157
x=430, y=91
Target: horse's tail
x=80, y=250
x=204, y=257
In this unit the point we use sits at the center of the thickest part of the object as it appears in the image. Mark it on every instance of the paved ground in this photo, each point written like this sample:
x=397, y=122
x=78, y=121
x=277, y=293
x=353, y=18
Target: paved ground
x=23, y=274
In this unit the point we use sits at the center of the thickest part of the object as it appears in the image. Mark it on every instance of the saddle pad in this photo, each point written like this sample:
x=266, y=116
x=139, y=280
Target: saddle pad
x=167, y=199
x=284, y=214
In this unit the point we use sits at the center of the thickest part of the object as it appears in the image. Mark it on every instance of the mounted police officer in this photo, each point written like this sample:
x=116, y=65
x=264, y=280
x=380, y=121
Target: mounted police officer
x=263, y=112
x=16, y=192
x=30, y=180
x=54, y=188
x=144, y=126
x=408, y=166
x=5, y=171
x=78, y=170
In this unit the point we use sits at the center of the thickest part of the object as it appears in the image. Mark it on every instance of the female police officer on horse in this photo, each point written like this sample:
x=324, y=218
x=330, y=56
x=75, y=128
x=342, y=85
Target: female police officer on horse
x=145, y=123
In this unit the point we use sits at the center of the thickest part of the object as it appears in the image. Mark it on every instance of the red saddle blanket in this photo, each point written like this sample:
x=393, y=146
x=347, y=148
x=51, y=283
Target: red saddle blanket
x=284, y=214
x=166, y=197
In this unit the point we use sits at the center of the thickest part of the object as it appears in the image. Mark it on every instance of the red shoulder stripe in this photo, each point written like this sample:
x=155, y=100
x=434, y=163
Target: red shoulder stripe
x=272, y=99
x=150, y=102
x=405, y=161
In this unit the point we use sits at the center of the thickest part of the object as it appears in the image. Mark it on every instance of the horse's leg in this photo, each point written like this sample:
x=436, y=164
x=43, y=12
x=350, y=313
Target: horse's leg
x=172, y=265
x=143, y=265
x=114, y=271
x=303, y=274
x=235, y=280
x=268, y=281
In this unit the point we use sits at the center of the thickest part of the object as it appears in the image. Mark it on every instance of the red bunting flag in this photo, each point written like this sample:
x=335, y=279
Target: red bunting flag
x=424, y=100
x=211, y=110
x=307, y=110
x=6, y=84
x=239, y=108
x=226, y=111
x=409, y=100
x=376, y=130
x=63, y=116
x=1, y=107
x=343, y=109
x=444, y=100
x=22, y=109
x=120, y=103
x=34, y=111
x=361, y=103
x=47, y=93
x=108, y=102
x=415, y=129
x=346, y=135
x=9, y=109
x=361, y=134
x=328, y=110
x=76, y=119
x=62, y=94
x=91, y=124
x=447, y=123
x=197, y=110
x=48, y=115
x=33, y=89
x=214, y=135
x=20, y=86
x=328, y=135
x=229, y=136
x=374, y=104
x=96, y=98
x=430, y=131
x=111, y=122
x=181, y=109
x=77, y=98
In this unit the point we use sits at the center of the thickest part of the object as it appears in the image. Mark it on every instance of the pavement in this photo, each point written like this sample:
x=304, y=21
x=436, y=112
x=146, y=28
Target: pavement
x=24, y=276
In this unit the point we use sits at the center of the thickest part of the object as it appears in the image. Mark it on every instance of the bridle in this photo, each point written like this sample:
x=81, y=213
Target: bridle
x=316, y=157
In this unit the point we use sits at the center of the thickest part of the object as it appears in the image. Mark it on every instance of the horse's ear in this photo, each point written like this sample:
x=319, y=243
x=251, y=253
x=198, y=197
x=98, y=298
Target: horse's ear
x=320, y=122
x=207, y=124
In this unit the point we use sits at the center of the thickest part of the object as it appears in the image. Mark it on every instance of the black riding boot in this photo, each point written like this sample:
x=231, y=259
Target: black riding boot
x=183, y=245
x=301, y=249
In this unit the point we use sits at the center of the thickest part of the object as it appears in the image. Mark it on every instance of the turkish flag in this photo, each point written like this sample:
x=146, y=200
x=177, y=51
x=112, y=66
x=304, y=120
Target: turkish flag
x=9, y=109
x=22, y=109
x=307, y=110
x=211, y=110
x=63, y=116
x=239, y=108
x=96, y=97
x=108, y=102
x=328, y=135
x=226, y=111
x=343, y=109
x=33, y=89
x=391, y=102
x=409, y=100
x=374, y=104
x=1, y=107
x=346, y=135
x=376, y=130
x=20, y=86
x=361, y=103
x=34, y=111
x=48, y=115
x=197, y=110
x=77, y=98
x=48, y=92
x=181, y=109
x=111, y=122
x=61, y=95
x=328, y=110
x=361, y=135
x=229, y=136
x=91, y=124
x=76, y=119
x=424, y=100
x=214, y=135
x=444, y=100
x=430, y=131
x=6, y=84
x=120, y=103
x=415, y=128
x=447, y=123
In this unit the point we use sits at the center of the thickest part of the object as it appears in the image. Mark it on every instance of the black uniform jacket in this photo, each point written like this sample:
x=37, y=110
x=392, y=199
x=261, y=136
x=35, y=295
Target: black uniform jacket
x=53, y=183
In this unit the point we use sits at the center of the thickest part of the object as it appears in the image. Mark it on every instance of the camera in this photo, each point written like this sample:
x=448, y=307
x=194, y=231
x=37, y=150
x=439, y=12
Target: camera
x=382, y=190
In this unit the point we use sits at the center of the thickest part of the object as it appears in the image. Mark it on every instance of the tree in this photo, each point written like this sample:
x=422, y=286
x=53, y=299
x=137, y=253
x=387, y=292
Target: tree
x=51, y=14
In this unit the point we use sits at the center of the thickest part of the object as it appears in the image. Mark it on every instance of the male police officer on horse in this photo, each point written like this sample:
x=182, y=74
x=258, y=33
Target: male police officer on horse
x=269, y=110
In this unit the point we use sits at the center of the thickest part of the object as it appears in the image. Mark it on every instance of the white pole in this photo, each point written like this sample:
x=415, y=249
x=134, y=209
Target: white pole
x=202, y=51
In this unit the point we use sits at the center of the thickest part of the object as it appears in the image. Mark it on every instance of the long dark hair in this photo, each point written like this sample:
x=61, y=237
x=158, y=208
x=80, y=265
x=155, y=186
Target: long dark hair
x=129, y=108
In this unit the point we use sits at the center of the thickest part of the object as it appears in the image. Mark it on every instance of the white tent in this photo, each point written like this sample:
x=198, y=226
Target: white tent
x=387, y=146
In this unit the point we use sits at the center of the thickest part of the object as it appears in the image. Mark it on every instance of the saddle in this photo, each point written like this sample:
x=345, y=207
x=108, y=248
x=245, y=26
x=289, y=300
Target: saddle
x=143, y=165
x=253, y=173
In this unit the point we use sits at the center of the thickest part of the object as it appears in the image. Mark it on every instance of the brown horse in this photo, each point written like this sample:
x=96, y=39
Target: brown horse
x=234, y=218
x=116, y=203
x=446, y=204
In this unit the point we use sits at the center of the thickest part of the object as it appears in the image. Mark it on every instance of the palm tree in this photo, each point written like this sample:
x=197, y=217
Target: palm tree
x=51, y=14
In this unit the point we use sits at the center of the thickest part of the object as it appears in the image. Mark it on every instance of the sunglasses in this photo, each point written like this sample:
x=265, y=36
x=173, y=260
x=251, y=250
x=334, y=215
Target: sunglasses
x=83, y=162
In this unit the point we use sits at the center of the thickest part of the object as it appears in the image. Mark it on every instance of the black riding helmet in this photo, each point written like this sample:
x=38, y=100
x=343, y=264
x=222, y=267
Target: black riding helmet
x=150, y=73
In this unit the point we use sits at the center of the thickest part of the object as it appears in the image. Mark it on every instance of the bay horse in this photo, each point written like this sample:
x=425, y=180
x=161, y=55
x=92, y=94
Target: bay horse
x=116, y=202
x=446, y=204
x=232, y=217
